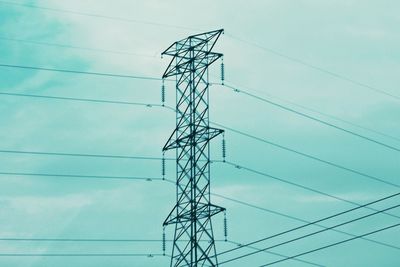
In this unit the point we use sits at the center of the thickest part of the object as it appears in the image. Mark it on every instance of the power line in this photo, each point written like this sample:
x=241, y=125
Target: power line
x=320, y=69
x=74, y=47
x=336, y=75
x=244, y=92
x=94, y=15
x=157, y=240
x=263, y=99
x=304, y=154
x=146, y=104
x=142, y=240
x=137, y=54
x=334, y=244
x=81, y=72
x=300, y=186
x=85, y=240
x=172, y=182
x=244, y=203
x=218, y=124
x=159, y=158
x=307, y=155
x=78, y=240
x=310, y=234
x=82, y=155
x=226, y=127
x=339, y=76
x=274, y=253
x=324, y=219
x=83, y=99
x=82, y=176
x=150, y=255
x=327, y=115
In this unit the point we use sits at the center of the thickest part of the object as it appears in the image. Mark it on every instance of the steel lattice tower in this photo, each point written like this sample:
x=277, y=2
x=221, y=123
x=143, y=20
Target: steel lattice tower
x=194, y=243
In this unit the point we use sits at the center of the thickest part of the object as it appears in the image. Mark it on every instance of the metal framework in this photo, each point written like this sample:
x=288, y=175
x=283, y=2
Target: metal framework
x=194, y=243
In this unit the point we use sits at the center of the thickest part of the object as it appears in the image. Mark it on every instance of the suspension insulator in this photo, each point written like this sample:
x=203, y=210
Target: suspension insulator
x=222, y=73
x=163, y=93
x=225, y=227
x=163, y=241
x=163, y=167
x=223, y=149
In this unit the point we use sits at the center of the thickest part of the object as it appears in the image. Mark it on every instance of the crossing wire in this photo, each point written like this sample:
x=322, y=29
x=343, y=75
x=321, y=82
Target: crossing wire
x=244, y=203
x=333, y=244
x=324, y=219
x=310, y=234
x=274, y=253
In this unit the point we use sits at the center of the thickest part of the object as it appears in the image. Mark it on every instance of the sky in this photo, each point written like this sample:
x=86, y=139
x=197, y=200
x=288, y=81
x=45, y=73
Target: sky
x=336, y=61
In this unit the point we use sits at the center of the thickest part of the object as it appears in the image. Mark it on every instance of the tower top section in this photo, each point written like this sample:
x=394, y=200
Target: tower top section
x=195, y=49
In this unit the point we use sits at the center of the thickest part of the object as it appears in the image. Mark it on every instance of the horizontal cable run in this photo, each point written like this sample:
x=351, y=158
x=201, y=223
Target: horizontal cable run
x=83, y=99
x=80, y=72
x=82, y=176
x=17, y=239
x=78, y=240
x=43, y=153
x=81, y=255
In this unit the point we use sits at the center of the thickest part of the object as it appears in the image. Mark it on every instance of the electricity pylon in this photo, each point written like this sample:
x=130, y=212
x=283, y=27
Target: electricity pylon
x=194, y=243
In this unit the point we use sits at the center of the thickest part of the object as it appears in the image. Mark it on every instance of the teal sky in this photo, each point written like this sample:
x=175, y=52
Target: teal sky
x=293, y=54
